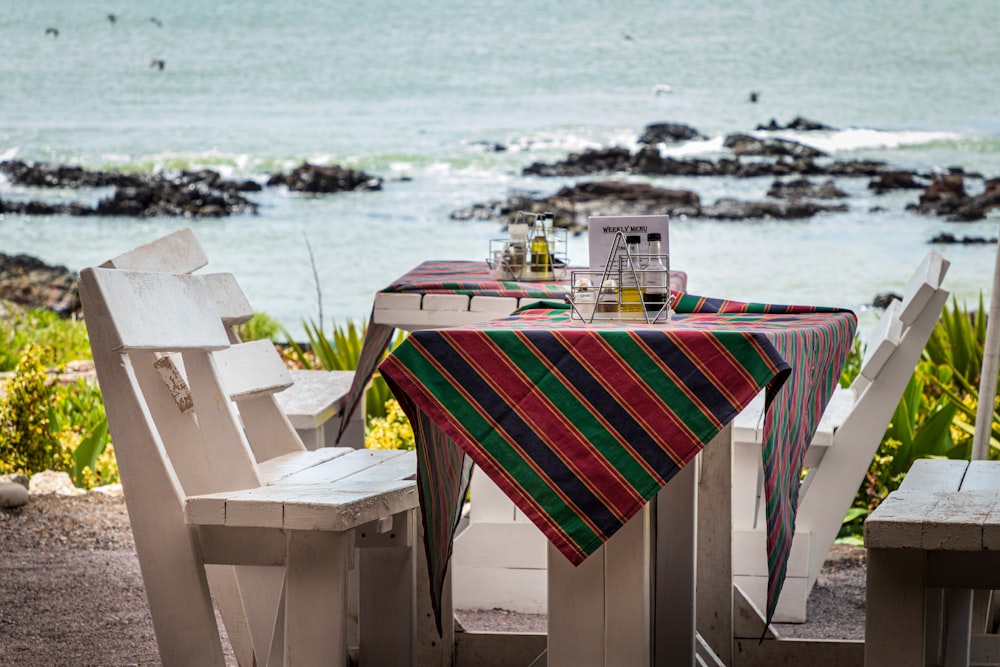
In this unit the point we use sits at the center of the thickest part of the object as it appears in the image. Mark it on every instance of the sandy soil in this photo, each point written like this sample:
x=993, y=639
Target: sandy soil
x=71, y=592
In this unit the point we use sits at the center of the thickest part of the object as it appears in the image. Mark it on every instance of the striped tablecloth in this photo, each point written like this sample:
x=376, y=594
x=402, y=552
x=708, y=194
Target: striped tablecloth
x=581, y=424
x=450, y=277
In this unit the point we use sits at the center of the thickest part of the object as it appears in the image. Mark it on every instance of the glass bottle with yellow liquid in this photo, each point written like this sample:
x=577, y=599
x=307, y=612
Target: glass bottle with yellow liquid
x=541, y=257
x=631, y=280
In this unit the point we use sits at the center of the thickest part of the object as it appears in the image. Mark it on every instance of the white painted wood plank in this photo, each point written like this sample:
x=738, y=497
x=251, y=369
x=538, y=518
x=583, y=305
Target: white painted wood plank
x=627, y=594
x=441, y=303
x=493, y=306
x=896, y=523
x=275, y=469
x=576, y=610
x=520, y=590
x=921, y=287
x=956, y=521
x=315, y=625
x=496, y=545
x=342, y=467
x=930, y=475
x=884, y=340
x=982, y=476
x=894, y=618
x=488, y=502
x=399, y=464
x=315, y=396
x=750, y=553
x=177, y=252
x=249, y=369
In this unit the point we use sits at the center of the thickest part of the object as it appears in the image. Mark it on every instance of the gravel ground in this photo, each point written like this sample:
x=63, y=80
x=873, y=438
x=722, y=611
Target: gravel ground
x=71, y=591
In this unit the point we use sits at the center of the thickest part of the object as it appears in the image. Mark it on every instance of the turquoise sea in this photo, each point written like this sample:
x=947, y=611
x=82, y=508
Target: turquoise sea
x=414, y=91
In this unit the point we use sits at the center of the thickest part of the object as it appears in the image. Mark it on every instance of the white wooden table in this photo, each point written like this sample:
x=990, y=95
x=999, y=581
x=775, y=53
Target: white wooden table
x=940, y=530
x=620, y=607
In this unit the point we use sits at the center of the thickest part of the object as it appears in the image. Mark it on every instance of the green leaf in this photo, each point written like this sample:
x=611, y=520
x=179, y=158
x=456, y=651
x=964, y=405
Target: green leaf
x=88, y=451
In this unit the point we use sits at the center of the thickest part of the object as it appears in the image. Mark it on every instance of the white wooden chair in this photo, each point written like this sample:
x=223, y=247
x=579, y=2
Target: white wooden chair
x=838, y=457
x=274, y=539
x=315, y=401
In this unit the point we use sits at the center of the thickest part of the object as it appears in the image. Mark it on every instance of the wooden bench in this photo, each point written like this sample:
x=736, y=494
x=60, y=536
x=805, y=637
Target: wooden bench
x=846, y=440
x=940, y=530
x=271, y=541
x=315, y=399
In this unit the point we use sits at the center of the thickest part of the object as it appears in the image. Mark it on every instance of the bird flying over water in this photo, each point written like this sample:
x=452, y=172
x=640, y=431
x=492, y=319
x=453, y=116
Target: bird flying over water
x=158, y=62
x=52, y=31
x=155, y=21
x=112, y=18
x=662, y=89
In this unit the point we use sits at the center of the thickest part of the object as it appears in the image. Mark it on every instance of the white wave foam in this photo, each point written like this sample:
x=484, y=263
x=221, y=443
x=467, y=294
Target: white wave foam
x=852, y=139
x=9, y=154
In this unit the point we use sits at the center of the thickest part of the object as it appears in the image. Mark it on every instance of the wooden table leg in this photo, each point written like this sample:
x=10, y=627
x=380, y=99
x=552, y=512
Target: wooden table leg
x=316, y=598
x=674, y=592
x=894, y=614
x=600, y=611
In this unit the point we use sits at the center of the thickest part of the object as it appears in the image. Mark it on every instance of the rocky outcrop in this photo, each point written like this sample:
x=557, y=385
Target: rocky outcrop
x=781, y=158
x=733, y=209
x=951, y=239
x=189, y=194
x=745, y=144
x=572, y=205
x=668, y=133
x=31, y=283
x=803, y=188
x=946, y=195
x=319, y=179
x=798, y=124
x=895, y=180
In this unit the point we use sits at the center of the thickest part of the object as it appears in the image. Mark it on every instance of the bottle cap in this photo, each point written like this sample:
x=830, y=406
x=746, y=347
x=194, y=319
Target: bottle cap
x=632, y=239
x=654, y=236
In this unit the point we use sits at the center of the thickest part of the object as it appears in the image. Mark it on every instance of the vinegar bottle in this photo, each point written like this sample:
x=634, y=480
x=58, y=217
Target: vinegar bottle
x=656, y=277
x=631, y=275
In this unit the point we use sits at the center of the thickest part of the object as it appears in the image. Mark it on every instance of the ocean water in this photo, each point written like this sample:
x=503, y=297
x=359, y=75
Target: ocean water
x=415, y=92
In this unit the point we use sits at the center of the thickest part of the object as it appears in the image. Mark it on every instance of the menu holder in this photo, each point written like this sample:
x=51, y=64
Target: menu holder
x=535, y=251
x=631, y=286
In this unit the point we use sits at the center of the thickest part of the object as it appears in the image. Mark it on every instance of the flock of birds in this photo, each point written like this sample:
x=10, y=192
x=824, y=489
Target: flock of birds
x=156, y=63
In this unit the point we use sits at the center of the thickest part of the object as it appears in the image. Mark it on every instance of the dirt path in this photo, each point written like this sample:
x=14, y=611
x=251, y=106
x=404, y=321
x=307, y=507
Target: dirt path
x=71, y=591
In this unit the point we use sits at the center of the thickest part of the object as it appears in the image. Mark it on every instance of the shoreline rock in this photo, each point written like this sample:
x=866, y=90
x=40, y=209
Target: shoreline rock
x=31, y=283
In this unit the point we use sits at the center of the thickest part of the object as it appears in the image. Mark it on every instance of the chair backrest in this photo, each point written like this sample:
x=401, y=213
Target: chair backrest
x=177, y=252
x=886, y=370
x=137, y=320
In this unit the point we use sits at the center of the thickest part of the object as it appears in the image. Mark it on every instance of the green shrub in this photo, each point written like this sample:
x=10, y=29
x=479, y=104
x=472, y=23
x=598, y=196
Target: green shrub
x=392, y=431
x=28, y=443
x=59, y=340
x=259, y=327
x=78, y=417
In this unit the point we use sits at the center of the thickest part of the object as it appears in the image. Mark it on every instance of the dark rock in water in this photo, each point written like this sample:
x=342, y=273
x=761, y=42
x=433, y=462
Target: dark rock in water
x=490, y=210
x=976, y=208
x=744, y=144
x=190, y=194
x=799, y=124
x=318, y=179
x=946, y=238
x=29, y=282
x=805, y=189
x=894, y=180
x=855, y=168
x=883, y=300
x=668, y=133
x=591, y=161
x=732, y=209
x=944, y=196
